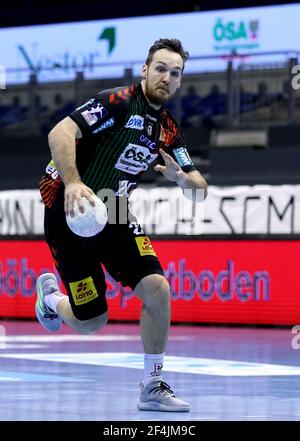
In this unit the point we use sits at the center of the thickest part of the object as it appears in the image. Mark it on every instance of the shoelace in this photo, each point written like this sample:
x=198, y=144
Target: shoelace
x=163, y=388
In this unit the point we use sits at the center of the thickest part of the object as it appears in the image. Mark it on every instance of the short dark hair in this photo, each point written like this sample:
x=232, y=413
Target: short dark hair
x=172, y=44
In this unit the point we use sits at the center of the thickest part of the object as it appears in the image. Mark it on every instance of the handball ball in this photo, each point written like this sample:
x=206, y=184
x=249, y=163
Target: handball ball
x=91, y=221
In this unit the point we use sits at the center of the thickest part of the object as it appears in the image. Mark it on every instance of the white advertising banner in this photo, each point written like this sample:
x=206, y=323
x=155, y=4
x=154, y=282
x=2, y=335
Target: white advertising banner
x=55, y=52
x=259, y=209
x=21, y=212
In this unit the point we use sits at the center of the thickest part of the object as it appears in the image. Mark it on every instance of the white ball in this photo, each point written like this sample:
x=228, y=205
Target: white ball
x=91, y=221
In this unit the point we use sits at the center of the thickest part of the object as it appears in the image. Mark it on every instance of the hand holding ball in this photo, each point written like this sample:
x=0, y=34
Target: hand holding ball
x=91, y=221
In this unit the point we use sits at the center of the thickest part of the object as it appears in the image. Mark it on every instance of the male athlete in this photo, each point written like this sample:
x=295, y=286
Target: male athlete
x=108, y=143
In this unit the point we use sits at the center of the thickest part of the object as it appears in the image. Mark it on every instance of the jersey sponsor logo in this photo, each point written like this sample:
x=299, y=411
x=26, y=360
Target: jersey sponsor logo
x=135, y=122
x=94, y=113
x=149, y=128
x=182, y=156
x=135, y=159
x=151, y=117
x=88, y=103
x=144, y=245
x=83, y=291
x=151, y=145
x=51, y=170
x=109, y=123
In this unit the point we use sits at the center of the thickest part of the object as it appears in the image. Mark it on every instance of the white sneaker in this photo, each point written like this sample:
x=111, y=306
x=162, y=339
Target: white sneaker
x=157, y=395
x=47, y=284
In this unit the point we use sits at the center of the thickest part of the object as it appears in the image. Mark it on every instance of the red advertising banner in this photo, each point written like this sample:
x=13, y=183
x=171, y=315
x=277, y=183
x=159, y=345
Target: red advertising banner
x=212, y=281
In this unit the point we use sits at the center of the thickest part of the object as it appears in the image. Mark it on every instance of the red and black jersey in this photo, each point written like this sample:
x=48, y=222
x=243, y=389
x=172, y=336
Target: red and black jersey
x=121, y=138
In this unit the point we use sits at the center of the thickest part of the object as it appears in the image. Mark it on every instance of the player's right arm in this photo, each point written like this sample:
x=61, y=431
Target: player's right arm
x=62, y=140
x=101, y=112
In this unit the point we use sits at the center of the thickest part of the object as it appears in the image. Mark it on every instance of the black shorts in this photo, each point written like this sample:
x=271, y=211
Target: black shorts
x=125, y=251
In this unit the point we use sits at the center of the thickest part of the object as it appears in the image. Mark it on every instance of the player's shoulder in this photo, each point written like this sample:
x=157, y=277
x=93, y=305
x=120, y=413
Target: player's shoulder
x=121, y=95
x=169, y=120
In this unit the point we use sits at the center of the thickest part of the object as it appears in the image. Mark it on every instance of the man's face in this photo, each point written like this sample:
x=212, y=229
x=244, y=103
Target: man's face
x=163, y=76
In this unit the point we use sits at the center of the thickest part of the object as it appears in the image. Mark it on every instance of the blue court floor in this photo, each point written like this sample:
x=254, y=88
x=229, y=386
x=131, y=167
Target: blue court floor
x=226, y=373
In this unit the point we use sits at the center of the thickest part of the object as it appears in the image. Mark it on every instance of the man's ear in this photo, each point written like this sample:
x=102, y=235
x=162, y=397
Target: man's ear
x=179, y=84
x=144, y=71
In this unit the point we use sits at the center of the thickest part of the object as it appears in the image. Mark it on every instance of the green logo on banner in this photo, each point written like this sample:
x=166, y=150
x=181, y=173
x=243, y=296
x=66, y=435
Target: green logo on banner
x=233, y=35
x=109, y=34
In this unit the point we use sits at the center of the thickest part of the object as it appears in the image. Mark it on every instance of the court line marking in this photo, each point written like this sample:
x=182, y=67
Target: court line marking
x=186, y=365
x=36, y=377
x=70, y=338
x=24, y=346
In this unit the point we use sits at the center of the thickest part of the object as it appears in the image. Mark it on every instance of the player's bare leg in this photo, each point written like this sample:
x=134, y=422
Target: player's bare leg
x=154, y=291
x=64, y=310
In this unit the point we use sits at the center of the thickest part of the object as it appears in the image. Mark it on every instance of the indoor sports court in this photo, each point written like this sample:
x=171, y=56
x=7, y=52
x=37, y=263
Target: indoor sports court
x=235, y=374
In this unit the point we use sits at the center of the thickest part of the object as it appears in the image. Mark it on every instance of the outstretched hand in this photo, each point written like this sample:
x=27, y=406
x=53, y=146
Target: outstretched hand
x=171, y=170
x=74, y=192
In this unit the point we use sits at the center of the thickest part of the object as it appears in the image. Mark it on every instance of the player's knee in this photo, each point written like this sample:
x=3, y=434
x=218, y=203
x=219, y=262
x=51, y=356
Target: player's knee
x=159, y=294
x=162, y=293
x=92, y=325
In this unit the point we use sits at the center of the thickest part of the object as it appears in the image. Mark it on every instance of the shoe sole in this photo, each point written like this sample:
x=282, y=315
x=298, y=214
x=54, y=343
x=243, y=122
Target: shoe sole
x=162, y=407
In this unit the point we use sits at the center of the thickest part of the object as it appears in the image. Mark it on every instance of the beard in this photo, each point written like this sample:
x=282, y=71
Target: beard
x=154, y=96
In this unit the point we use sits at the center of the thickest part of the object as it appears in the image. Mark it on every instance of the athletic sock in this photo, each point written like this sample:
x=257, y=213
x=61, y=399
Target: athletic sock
x=153, y=364
x=53, y=299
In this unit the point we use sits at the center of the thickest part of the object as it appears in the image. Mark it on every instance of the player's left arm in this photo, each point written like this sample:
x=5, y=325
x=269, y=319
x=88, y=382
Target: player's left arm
x=185, y=179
